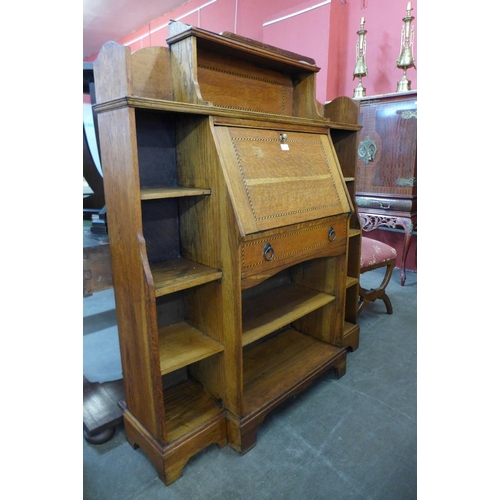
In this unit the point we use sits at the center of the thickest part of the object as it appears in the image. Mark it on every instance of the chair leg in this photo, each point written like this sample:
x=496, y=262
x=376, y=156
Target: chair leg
x=373, y=294
x=387, y=302
x=383, y=285
x=387, y=276
x=362, y=301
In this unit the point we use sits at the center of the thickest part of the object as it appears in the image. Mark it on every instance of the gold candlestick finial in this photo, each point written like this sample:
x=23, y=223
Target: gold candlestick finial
x=405, y=60
x=361, y=69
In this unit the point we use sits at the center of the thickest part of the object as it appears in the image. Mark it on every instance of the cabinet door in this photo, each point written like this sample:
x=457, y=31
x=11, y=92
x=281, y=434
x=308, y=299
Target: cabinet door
x=387, y=153
x=277, y=178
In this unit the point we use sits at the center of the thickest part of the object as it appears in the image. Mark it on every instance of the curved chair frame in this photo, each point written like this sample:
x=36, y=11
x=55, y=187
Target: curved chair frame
x=371, y=295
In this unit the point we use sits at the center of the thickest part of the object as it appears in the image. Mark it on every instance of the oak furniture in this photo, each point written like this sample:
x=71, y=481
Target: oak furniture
x=101, y=413
x=230, y=232
x=386, y=193
x=376, y=255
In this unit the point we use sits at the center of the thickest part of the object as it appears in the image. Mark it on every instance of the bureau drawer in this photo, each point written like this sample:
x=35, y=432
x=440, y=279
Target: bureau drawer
x=265, y=256
x=389, y=204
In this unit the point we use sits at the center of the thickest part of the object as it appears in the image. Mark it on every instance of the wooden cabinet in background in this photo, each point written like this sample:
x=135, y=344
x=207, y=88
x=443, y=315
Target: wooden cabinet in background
x=386, y=192
x=230, y=233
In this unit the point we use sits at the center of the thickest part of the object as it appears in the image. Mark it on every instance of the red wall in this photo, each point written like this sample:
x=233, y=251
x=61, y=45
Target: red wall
x=325, y=30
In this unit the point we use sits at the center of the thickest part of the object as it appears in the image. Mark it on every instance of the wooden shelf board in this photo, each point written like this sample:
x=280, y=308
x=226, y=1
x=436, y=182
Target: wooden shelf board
x=270, y=311
x=178, y=274
x=350, y=281
x=188, y=406
x=349, y=179
x=354, y=232
x=273, y=367
x=158, y=193
x=202, y=109
x=235, y=46
x=350, y=336
x=349, y=328
x=181, y=344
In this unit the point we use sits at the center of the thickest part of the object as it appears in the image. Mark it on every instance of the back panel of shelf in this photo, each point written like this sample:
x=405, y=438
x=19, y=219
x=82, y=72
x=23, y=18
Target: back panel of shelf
x=158, y=168
x=345, y=142
x=160, y=225
x=237, y=84
x=241, y=74
x=156, y=148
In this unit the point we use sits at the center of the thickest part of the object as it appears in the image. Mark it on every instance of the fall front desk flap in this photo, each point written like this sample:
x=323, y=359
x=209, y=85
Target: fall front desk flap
x=280, y=178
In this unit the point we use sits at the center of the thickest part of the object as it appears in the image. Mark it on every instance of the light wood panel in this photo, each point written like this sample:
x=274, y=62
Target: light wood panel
x=277, y=179
x=187, y=406
x=208, y=110
x=158, y=193
x=178, y=274
x=272, y=367
x=181, y=344
x=350, y=281
x=271, y=311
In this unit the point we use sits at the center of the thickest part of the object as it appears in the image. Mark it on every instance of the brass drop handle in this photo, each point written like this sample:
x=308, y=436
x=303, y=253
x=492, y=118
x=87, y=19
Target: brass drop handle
x=283, y=137
x=268, y=252
x=386, y=207
x=331, y=234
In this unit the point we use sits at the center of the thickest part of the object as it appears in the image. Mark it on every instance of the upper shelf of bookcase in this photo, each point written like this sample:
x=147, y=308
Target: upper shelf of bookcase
x=230, y=71
x=213, y=74
x=235, y=46
x=221, y=113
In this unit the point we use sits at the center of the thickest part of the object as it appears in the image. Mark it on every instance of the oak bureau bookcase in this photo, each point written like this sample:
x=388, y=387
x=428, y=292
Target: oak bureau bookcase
x=230, y=227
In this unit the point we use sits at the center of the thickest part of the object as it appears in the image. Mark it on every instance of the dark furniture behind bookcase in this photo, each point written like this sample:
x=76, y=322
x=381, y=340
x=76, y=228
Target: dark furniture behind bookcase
x=386, y=193
x=230, y=231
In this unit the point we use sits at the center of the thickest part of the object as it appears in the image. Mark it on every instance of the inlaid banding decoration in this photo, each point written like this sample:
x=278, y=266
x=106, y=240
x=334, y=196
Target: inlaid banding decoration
x=281, y=183
x=407, y=114
x=243, y=92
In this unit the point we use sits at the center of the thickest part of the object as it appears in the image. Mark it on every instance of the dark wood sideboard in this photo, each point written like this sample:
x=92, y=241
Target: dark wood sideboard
x=386, y=172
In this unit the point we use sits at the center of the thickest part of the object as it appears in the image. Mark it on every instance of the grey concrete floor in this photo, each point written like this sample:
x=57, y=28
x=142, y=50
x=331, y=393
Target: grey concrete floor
x=351, y=438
